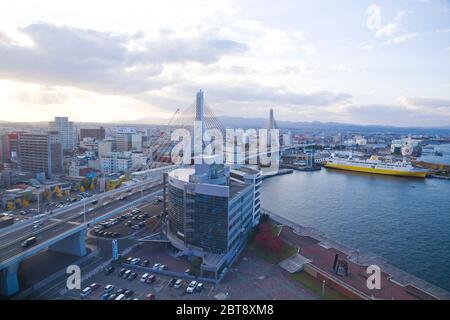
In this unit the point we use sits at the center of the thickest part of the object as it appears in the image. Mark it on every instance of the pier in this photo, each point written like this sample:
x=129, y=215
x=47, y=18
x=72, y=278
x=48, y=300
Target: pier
x=320, y=250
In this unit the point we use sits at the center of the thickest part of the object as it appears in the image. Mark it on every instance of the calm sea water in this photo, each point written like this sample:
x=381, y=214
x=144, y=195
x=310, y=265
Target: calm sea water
x=405, y=220
x=445, y=159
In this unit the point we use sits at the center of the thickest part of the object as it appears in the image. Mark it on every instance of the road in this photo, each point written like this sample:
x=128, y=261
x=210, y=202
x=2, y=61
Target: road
x=53, y=288
x=10, y=243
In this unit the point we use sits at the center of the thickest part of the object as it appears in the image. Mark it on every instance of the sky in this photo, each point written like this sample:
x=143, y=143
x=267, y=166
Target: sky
x=362, y=62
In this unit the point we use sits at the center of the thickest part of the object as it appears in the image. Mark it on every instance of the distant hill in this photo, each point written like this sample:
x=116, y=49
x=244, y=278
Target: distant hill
x=239, y=122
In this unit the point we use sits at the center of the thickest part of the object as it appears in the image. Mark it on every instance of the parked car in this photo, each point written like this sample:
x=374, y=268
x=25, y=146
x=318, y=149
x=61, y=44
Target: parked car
x=191, y=287
x=144, y=277
x=156, y=266
x=94, y=286
x=112, y=296
x=108, y=288
x=129, y=260
x=128, y=293
x=178, y=284
x=132, y=276
x=199, y=287
x=135, y=261
x=145, y=263
x=172, y=282
x=163, y=267
x=108, y=270
x=150, y=296
x=85, y=292
x=121, y=272
x=187, y=271
x=120, y=291
x=105, y=296
x=126, y=274
x=151, y=278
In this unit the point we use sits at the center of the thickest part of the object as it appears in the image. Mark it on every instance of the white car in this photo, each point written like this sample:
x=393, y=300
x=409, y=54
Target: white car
x=156, y=266
x=191, y=287
x=109, y=288
x=85, y=292
x=135, y=260
x=144, y=277
x=178, y=284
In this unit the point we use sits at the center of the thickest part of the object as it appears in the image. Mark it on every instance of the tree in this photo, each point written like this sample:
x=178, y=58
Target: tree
x=86, y=183
x=67, y=192
x=10, y=205
x=92, y=186
x=195, y=266
x=82, y=189
x=58, y=191
x=267, y=240
x=48, y=195
x=27, y=197
x=25, y=203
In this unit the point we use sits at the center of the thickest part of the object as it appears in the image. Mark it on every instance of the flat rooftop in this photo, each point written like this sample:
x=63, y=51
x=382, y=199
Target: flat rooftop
x=183, y=174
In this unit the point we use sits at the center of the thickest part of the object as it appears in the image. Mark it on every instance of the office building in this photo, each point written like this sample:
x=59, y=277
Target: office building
x=9, y=145
x=123, y=142
x=98, y=134
x=211, y=209
x=65, y=129
x=41, y=153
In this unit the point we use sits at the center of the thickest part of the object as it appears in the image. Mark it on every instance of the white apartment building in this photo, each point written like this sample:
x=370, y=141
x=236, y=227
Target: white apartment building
x=114, y=162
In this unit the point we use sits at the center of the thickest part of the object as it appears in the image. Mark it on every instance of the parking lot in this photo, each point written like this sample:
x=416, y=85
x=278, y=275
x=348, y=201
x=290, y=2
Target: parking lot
x=159, y=288
x=249, y=279
x=129, y=223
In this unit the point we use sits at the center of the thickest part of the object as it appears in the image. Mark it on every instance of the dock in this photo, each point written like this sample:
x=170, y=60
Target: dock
x=320, y=250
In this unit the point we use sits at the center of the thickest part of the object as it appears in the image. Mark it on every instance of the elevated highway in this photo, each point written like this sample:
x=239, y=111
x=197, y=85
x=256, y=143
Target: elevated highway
x=65, y=229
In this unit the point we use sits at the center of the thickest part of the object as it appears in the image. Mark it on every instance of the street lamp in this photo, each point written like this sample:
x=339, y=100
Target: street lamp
x=84, y=209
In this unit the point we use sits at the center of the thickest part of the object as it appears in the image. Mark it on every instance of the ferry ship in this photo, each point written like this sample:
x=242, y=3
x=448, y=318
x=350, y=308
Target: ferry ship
x=373, y=165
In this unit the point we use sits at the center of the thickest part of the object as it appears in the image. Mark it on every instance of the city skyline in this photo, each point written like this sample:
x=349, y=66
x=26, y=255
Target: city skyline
x=371, y=62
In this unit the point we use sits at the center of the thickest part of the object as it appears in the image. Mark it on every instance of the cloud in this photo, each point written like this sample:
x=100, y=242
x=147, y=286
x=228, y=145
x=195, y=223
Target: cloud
x=373, y=22
x=425, y=102
x=397, y=115
x=403, y=38
x=105, y=61
x=250, y=92
x=390, y=28
x=42, y=96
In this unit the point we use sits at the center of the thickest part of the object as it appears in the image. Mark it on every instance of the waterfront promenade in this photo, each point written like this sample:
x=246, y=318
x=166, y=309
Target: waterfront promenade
x=314, y=245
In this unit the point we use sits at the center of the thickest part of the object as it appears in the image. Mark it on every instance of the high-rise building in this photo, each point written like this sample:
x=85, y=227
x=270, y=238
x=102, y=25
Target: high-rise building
x=9, y=145
x=98, y=134
x=136, y=142
x=211, y=209
x=123, y=142
x=41, y=152
x=114, y=162
x=65, y=129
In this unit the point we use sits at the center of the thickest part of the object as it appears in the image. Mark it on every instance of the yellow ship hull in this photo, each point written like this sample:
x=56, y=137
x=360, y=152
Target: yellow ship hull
x=415, y=174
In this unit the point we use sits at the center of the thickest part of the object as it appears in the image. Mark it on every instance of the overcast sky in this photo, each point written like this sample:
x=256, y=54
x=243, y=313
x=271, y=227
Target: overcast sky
x=364, y=62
